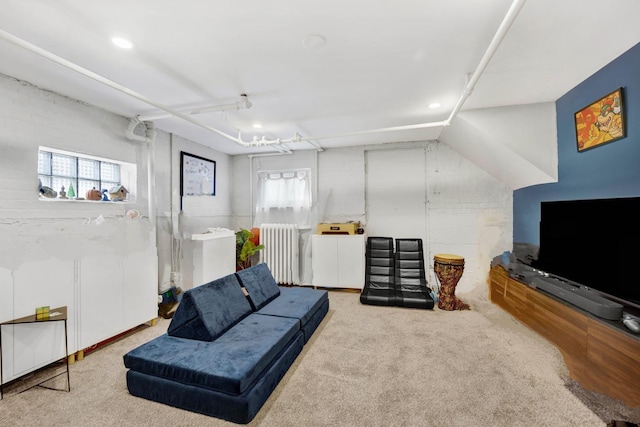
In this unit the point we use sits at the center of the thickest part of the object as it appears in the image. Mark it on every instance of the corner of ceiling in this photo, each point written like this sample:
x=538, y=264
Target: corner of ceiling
x=515, y=144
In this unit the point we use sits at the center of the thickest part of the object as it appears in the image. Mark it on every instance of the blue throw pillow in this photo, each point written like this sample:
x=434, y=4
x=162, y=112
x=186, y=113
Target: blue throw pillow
x=260, y=284
x=209, y=310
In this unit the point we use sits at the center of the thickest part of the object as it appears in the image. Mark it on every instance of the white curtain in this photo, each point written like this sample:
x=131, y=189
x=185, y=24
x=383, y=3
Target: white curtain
x=284, y=197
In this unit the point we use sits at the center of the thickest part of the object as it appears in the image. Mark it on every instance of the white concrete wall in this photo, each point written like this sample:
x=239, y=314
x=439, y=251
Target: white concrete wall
x=33, y=229
x=423, y=190
x=176, y=224
x=54, y=252
x=344, y=180
x=243, y=194
x=37, y=230
x=470, y=213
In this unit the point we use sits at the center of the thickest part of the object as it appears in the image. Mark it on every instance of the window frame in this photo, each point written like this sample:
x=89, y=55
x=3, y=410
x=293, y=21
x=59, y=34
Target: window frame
x=76, y=178
x=296, y=213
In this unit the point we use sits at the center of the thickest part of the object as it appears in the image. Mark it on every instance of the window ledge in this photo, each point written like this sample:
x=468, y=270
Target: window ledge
x=59, y=200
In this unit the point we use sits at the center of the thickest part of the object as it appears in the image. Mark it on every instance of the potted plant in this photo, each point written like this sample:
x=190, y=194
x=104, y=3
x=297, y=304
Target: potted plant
x=247, y=245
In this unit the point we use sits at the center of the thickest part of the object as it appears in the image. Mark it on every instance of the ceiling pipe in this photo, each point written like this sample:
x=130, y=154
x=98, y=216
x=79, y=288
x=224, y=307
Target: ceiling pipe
x=282, y=150
x=129, y=131
x=251, y=156
x=298, y=138
x=316, y=146
x=151, y=185
x=238, y=105
x=504, y=27
x=136, y=120
x=508, y=20
x=499, y=36
x=97, y=77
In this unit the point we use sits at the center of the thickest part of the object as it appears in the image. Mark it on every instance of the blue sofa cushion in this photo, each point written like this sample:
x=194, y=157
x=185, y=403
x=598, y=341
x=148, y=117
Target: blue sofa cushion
x=229, y=364
x=239, y=409
x=297, y=303
x=207, y=311
x=260, y=284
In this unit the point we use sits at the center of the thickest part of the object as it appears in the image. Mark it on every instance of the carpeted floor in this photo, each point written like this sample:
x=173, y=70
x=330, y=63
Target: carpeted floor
x=364, y=366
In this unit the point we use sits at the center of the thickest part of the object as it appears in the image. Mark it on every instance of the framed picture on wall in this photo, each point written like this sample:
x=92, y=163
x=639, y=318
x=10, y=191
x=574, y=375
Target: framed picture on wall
x=197, y=175
x=601, y=122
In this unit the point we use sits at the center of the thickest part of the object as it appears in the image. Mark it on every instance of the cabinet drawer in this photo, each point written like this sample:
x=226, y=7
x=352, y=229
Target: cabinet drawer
x=614, y=362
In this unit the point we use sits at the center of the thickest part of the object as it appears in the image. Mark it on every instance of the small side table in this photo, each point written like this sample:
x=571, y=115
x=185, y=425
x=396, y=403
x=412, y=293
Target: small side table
x=56, y=315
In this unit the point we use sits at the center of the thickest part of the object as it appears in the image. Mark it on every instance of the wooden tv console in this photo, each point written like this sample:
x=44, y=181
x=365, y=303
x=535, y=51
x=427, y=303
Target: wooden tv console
x=600, y=354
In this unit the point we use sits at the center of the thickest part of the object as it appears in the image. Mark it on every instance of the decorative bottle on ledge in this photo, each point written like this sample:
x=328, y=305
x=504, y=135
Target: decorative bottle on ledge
x=71, y=193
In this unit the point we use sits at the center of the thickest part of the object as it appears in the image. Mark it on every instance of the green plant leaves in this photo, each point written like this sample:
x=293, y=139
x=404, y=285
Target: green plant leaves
x=245, y=248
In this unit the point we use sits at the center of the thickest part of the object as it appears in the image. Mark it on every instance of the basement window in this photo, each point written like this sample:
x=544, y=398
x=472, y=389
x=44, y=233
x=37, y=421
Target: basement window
x=76, y=174
x=284, y=196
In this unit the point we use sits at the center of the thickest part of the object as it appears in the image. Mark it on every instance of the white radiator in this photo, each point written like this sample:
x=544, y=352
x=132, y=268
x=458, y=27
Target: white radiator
x=280, y=253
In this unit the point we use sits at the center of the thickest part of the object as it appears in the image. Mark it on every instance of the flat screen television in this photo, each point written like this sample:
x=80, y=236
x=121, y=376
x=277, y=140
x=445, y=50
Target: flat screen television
x=595, y=243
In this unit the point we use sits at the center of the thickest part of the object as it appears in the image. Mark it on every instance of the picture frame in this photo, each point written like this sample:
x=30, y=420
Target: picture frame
x=197, y=175
x=601, y=122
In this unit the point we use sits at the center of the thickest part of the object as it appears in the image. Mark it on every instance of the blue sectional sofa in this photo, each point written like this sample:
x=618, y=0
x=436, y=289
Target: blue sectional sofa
x=228, y=345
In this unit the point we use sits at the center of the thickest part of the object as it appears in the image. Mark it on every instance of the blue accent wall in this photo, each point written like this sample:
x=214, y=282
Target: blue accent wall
x=606, y=171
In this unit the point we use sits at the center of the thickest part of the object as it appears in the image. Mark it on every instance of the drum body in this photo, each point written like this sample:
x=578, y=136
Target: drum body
x=448, y=269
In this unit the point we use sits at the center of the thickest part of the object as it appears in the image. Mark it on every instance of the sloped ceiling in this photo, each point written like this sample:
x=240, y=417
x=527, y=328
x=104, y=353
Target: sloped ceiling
x=313, y=69
x=515, y=144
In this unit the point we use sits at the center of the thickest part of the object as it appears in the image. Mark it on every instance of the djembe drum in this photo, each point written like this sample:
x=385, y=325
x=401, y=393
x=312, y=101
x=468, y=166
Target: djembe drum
x=448, y=269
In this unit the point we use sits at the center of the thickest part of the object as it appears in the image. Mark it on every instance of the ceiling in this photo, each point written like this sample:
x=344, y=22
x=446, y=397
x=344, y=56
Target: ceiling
x=382, y=63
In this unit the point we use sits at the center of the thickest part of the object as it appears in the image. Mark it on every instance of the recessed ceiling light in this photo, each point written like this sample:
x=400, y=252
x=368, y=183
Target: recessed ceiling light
x=257, y=126
x=123, y=43
x=434, y=105
x=314, y=41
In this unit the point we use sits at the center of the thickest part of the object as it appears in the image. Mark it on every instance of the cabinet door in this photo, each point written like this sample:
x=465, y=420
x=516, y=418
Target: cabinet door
x=324, y=261
x=27, y=347
x=350, y=253
x=6, y=313
x=140, y=276
x=338, y=261
x=101, y=299
x=6, y=290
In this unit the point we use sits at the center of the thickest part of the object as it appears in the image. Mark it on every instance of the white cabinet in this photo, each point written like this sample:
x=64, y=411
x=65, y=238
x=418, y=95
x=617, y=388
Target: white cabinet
x=26, y=347
x=140, y=281
x=214, y=256
x=338, y=261
x=116, y=294
x=6, y=290
x=101, y=295
x=105, y=295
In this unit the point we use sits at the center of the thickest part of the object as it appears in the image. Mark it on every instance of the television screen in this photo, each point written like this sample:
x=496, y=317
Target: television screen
x=595, y=243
